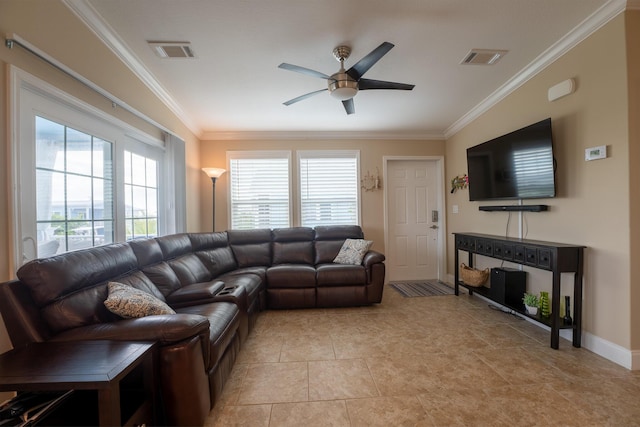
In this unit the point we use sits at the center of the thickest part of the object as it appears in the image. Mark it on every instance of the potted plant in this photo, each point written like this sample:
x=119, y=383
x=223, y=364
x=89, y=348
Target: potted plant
x=531, y=303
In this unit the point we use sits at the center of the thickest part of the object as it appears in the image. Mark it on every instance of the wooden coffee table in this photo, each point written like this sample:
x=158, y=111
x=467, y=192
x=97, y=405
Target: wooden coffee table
x=87, y=365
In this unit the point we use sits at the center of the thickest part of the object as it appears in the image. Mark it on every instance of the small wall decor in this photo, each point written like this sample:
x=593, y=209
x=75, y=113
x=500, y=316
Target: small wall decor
x=460, y=182
x=370, y=182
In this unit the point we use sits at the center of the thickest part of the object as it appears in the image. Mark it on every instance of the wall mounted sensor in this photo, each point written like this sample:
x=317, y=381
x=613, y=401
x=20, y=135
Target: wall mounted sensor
x=562, y=89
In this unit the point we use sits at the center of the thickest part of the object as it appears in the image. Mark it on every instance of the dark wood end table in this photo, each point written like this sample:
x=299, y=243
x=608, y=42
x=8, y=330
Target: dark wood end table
x=86, y=365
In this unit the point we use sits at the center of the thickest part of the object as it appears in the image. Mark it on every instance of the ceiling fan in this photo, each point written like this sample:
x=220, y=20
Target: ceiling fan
x=344, y=85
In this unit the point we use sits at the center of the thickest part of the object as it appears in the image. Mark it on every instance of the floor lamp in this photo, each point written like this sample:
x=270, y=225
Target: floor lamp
x=213, y=173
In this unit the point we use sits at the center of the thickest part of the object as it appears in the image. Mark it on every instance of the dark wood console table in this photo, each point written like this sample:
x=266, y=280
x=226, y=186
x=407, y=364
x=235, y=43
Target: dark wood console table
x=555, y=257
x=87, y=365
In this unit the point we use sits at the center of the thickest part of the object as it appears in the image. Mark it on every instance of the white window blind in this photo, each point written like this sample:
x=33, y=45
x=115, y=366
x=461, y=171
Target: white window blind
x=260, y=190
x=328, y=188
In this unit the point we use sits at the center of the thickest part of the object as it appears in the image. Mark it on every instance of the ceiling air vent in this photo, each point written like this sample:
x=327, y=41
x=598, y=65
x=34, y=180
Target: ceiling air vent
x=172, y=49
x=483, y=56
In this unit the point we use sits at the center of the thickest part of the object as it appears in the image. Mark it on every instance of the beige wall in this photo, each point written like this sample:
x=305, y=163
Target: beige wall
x=213, y=154
x=633, y=76
x=592, y=205
x=52, y=28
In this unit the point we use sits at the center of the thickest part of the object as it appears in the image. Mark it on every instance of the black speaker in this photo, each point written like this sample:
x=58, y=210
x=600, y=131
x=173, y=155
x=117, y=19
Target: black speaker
x=508, y=285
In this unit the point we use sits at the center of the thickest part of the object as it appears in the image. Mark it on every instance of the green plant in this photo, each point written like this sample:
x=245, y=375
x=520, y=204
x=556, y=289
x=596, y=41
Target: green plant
x=531, y=300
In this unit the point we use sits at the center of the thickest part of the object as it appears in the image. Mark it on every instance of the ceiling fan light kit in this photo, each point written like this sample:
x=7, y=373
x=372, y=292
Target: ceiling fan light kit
x=344, y=85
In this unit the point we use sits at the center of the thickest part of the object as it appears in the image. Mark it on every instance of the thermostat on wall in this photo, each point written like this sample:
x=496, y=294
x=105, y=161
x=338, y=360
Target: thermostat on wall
x=595, y=153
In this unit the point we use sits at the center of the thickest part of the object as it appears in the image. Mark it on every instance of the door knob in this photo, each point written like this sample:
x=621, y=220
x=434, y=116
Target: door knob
x=434, y=227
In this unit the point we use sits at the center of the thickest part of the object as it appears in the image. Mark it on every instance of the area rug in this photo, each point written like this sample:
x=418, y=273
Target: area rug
x=421, y=288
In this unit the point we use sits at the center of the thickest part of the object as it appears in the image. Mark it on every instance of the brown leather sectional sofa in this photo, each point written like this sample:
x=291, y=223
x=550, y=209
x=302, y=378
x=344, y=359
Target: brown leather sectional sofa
x=216, y=282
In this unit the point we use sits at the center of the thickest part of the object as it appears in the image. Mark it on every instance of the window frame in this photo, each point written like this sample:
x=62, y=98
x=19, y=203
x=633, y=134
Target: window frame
x=259, y=154
x=327, y=154
x=30, y=96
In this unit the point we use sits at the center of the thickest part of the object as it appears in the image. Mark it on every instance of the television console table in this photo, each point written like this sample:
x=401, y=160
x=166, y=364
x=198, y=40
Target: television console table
x=555, y=257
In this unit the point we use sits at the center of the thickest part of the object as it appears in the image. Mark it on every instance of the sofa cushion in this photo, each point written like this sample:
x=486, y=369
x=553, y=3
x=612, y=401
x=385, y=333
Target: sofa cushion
x=50, y=279
x=341, y=274
x=224, y=319
x=329, y=240
x=189, y=269
x=163, y=276
x=293, y=245
x=291, y=276
x=147, y=251
x=353, y=251
x=174, y=245
x=251, y=247
x=218, y=260
x=140, y=281
x=128, y=302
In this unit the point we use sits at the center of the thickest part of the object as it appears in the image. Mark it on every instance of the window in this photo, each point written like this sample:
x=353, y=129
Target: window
x=328, y=188
x=74, y=189
x=261, y=186
x=82, y=178
x=140, y=196
x=260, y=189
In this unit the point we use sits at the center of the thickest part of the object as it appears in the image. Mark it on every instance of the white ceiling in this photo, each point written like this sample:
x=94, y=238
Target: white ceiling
x=234, y=86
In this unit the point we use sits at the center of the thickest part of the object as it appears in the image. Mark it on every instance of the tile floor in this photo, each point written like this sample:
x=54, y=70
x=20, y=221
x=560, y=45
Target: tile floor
x=427, y=361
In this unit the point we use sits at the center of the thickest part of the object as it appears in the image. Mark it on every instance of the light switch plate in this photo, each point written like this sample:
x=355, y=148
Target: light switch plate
x=595, y=153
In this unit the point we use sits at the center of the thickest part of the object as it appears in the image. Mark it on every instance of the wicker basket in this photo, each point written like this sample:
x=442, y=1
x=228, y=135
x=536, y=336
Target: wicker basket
x=472, y=277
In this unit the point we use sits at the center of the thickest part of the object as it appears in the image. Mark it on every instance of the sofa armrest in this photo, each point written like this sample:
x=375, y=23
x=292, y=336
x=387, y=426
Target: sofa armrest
x=372, y=257
x=165, y=329
x=195, y=294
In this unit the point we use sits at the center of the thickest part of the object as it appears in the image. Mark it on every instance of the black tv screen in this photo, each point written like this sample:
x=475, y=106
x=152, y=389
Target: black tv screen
x=518, y=165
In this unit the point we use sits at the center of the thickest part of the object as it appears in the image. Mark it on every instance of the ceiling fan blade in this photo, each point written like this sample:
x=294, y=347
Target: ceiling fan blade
x=365, y=84
x=348, y=106
x=305, y=96
x=368, y=61
x=307, y=71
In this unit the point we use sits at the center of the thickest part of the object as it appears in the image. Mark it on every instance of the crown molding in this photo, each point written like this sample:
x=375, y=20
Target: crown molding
x=92, y=19
x=583, y=30
x=319, y=135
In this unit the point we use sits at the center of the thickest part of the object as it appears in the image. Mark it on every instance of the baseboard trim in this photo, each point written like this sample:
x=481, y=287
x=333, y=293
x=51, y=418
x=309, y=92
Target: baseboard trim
x=617, y=354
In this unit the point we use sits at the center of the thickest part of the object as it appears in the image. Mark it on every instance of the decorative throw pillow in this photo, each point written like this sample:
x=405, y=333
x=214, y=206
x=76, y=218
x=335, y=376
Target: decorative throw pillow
x=353, y=251
x=127, y=301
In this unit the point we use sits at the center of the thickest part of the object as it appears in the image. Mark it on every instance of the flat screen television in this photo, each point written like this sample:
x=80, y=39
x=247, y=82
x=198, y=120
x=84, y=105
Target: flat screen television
x=518, y=165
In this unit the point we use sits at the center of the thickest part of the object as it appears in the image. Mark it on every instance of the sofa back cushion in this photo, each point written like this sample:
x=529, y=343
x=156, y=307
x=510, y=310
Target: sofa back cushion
x=329, y=240
x=293, y=245
x=50, y=279
x=163, y=277
x=148, y=251
x=214, y=252
x=70, y=289
x=251, y=247
x=174, y=245
x=190, y=269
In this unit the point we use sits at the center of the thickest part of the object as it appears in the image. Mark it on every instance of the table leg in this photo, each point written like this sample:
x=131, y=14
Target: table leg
x=109, y=406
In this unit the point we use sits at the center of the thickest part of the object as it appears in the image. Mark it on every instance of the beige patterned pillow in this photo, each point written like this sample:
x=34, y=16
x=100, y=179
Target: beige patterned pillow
x=127, y=301
x=353, y=251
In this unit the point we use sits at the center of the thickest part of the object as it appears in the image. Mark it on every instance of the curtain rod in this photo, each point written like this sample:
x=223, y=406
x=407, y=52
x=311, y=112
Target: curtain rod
x=14, y=39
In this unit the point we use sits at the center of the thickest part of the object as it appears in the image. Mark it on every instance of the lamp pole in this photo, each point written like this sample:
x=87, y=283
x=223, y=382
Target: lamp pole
x=214, y=174
x=213, y=204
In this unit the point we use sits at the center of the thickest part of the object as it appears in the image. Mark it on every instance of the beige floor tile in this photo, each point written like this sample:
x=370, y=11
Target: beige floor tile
x=307, y=347
x=275, y=383
x=388, y=411
x=261, y=349
x=330, y=413
x=340, y=379
x=397, y=377
x=241, y=416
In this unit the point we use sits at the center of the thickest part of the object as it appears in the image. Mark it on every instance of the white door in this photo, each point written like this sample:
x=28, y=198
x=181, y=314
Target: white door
x=413, y=220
